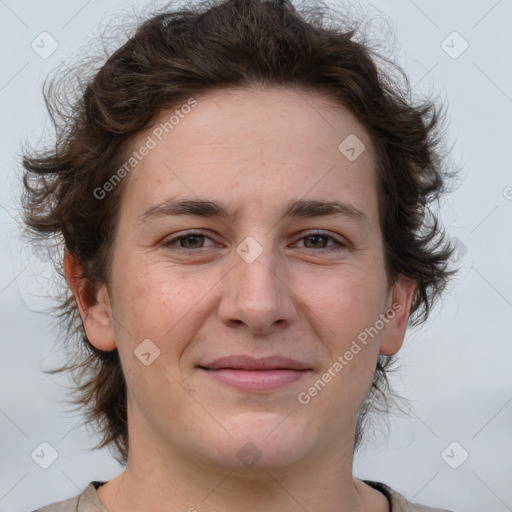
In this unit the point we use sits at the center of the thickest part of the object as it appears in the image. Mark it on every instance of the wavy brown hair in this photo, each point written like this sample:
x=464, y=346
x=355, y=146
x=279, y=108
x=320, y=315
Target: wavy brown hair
x=179, y=53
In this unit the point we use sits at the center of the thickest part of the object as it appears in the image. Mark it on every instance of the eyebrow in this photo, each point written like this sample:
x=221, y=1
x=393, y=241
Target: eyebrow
x=308, y=208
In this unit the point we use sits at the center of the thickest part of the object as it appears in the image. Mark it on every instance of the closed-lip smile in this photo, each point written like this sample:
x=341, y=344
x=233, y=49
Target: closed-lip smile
x=251, y=374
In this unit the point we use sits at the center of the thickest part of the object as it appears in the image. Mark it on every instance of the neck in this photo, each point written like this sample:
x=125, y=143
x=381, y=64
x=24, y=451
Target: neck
x=171, y=482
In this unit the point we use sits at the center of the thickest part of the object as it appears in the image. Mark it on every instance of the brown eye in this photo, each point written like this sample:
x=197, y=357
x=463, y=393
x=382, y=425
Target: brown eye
x=191, y=241
x=321, y=241
x=317, y=241
x=188, y=242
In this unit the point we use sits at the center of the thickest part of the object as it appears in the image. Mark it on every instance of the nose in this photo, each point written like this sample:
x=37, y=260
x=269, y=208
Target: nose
x=258, y=295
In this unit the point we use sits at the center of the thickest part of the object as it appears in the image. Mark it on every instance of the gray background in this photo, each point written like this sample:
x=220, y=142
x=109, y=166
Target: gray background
x=455, y=370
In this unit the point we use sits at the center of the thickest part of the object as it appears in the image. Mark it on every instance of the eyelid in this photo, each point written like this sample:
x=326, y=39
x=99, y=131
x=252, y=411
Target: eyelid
x=182, y=234
x=337, y=239
x=339, y=243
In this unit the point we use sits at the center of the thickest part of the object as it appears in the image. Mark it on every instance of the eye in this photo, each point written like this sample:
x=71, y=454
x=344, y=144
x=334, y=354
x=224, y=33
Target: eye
x=320, y=241
x=187, y=241
x=194, y=240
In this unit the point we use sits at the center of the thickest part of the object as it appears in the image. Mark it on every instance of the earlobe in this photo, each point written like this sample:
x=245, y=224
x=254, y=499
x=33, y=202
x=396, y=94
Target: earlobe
x=398, y=315
x=93, y=303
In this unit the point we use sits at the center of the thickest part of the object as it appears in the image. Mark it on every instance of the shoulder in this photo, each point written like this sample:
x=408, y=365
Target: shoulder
x=87, y=501
x=399, y=503
x=69, y=505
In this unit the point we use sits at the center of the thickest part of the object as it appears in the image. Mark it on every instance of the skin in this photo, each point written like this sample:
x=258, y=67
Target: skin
x=253, y=150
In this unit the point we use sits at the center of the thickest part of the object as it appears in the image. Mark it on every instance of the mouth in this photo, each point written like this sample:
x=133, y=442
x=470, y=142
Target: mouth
x=256, y=374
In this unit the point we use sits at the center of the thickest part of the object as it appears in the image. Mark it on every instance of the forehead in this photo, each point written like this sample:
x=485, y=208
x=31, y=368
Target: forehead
x=262, y=145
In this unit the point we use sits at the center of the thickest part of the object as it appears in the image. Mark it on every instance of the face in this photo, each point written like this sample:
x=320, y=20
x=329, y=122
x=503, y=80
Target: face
x=235, y=319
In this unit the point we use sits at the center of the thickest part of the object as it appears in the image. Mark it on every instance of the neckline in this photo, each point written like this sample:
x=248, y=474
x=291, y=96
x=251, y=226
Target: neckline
x=378, y=486
x=384, y=489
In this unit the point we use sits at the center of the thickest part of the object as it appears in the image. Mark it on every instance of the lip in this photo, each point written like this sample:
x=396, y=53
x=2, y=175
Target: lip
x=243, y=362
x=251, y=374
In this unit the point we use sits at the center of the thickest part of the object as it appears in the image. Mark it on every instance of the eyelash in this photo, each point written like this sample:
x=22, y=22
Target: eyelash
x=169, y=243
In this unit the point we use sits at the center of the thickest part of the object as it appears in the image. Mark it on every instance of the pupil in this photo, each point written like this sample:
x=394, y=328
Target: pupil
x=317, y=238
x=188, y=239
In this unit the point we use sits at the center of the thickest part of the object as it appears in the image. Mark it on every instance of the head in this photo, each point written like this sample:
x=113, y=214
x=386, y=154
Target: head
x=305, y=177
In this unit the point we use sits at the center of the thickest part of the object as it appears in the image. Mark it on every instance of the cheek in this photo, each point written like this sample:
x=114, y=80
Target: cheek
x=346, y=301
x=142, y=294
x=160, y=303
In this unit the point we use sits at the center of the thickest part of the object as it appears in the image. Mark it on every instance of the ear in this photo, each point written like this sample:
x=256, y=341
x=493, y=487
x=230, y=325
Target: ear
x=93, y=303
x=397, y=313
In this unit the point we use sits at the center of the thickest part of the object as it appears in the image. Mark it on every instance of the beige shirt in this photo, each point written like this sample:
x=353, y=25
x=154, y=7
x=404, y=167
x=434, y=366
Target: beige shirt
x=88, y=501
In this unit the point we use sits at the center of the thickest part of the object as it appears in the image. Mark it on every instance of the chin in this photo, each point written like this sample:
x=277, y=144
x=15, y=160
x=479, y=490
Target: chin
x=263, y=440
